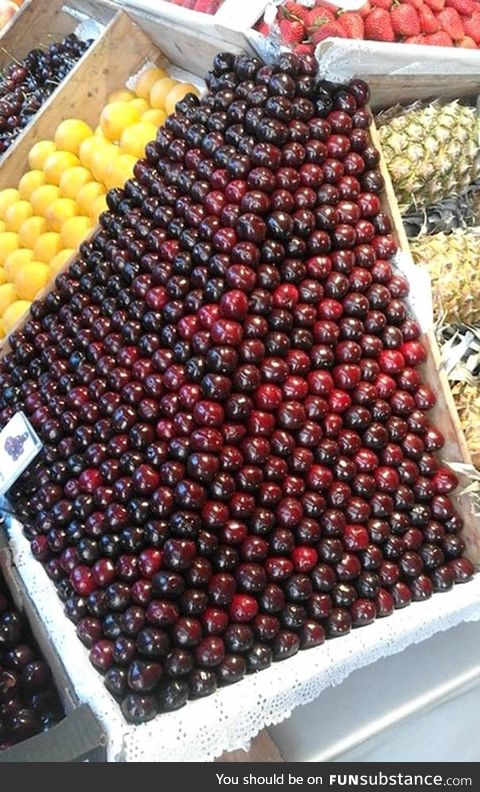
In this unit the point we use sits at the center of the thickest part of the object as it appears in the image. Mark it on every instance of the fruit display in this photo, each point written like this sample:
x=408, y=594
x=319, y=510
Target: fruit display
x=27, y=84
x=453, y=261
x=56, y=204
x=441, y=23
x=29, y=703
x=431, y=150
x=204, y=6
x=432, y=153
x=238, y=458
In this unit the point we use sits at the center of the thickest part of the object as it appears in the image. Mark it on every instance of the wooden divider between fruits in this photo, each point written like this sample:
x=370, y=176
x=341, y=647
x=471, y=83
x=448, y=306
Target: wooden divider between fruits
x=39, y=23
x=444, y=413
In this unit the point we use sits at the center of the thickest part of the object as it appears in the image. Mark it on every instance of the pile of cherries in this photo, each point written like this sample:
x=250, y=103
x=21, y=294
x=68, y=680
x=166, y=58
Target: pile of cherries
x=238, y=457
x=26, y=85
x=28, y=700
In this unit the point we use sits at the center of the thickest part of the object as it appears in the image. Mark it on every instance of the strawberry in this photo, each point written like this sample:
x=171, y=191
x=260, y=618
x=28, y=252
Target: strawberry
x=414, y=39
x=291, y=31
x=318, y=17
x=435, y=5
x=405, y=21
x=387, y=4
x=415, y=3
x=205, y=6
x=304, y=49
x=472, y=26
x=451, y=22
x=330, y=29
x=378, y=26
x=440, y=39
x=352, y=23
x=294, y=11
x=465, y=7
x=263, y=28
x=428, y=21
x=365, y=9
x=466, y=43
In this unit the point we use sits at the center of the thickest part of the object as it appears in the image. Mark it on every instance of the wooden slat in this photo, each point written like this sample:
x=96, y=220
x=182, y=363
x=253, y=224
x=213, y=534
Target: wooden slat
x=262, y=749
x=444, y=414
x=192, y=51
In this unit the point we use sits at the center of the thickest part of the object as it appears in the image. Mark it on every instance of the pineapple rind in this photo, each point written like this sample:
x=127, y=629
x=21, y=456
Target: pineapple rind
x=453, y=261
x=467, y=400
x=431, y=151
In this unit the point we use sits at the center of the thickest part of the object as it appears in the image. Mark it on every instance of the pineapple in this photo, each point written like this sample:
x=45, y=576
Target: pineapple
x=453, y=261
x=457, y=211
x=467, y=399
x=431, y=150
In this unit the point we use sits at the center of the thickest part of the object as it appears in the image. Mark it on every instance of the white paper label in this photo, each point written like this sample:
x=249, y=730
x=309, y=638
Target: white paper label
x=420, y=297
x=19, y=444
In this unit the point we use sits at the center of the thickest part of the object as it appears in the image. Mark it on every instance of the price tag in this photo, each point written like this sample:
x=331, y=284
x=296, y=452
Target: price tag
x=19, y=444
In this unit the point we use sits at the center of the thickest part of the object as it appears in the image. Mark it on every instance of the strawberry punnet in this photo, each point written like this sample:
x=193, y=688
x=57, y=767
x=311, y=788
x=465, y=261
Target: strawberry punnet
x=399, y=21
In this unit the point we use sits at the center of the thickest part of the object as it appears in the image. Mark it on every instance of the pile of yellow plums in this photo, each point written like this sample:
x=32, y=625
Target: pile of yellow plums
x=56, y=204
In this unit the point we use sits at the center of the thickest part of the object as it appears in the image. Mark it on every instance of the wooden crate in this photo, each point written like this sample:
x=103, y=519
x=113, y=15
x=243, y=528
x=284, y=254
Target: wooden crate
x=230, y=23
x=36, y=25
x=444, y=413
x=41, y=23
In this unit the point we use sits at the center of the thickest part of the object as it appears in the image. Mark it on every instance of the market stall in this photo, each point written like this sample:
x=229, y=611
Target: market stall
x=234, y=297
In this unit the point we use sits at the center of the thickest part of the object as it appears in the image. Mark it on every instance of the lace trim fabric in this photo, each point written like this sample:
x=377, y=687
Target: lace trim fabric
x=229, y=719
x=342, y=59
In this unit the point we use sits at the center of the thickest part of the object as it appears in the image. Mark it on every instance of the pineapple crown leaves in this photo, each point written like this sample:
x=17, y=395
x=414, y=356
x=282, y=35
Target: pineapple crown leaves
x=452, y=213
x=460, y=347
